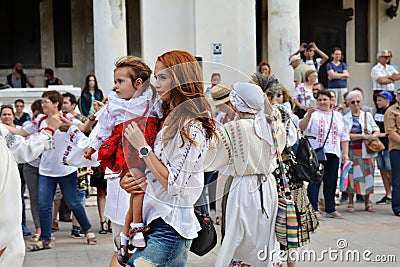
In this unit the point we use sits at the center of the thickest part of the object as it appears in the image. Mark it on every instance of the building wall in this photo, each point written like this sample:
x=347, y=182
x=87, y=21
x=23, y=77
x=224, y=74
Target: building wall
x=381, y=36
x=194, y=25
x=82, y=45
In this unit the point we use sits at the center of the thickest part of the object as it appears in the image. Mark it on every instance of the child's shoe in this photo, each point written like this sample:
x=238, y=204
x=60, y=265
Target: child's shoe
x=136, y=235
x=121, y=242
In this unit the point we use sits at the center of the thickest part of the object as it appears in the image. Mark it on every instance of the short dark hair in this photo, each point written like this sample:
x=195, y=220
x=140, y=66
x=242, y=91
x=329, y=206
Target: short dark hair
x=215, y=74
x=37, y=105
x=72, y=98
x=49, y=72
x=325, y=93
x=7, y=106
x=54, y=97
x=19, y=101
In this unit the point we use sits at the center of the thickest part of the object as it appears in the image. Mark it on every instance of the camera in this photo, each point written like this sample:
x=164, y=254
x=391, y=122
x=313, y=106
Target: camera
x=307, y=46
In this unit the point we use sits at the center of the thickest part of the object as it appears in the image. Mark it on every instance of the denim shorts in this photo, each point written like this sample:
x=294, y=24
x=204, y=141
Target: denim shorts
x=165, y=247
x=383, y=160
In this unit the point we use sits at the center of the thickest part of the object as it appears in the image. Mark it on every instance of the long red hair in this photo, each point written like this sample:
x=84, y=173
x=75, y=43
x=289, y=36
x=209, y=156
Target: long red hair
x=187, y=95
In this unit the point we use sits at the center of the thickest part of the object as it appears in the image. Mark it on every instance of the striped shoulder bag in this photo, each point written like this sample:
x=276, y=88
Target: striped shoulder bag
x=287, y=226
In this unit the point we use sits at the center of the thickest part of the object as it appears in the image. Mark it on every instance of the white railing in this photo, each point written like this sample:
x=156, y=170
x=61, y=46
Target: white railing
x=29, y=95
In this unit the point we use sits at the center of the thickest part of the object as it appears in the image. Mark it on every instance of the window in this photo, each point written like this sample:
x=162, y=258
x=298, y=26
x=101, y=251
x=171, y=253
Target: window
x=361, y=31
x=133, y=27
x=62, y=33
x=20, y=33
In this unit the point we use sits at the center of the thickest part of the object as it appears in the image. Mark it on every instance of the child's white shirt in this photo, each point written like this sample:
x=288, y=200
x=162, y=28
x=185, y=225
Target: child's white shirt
x=117, y=111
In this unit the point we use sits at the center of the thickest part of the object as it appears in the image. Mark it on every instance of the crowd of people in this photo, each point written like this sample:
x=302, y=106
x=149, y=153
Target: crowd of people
x=151, y=149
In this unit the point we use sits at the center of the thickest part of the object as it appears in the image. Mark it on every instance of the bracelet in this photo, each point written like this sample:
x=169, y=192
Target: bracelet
x=48, y=129
x=92, y=117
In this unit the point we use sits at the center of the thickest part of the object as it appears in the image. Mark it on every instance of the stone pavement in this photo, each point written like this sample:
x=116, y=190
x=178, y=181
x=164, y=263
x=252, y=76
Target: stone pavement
x=377, y=232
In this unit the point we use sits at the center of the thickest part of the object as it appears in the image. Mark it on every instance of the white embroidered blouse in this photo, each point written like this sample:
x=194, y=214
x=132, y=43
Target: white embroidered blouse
x=184, y=162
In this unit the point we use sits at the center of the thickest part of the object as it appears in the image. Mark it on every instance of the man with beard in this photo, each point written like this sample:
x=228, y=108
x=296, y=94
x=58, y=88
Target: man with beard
x=18, y=78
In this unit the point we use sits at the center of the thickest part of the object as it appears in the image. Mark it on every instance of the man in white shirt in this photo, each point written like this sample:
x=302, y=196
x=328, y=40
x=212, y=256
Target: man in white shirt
x=384, y=75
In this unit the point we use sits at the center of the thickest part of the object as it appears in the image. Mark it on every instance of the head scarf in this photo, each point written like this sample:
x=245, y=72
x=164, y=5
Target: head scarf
x=249, y=98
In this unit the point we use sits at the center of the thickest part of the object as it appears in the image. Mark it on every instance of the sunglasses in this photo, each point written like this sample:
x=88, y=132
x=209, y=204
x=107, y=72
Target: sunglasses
x=356, y=101
x=386, y=57
x=279, y=95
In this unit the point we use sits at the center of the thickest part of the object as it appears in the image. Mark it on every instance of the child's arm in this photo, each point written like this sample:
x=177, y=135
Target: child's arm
x=85, y=172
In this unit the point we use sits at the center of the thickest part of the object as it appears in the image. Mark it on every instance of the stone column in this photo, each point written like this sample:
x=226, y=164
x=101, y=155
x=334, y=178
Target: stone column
x=283, y=38
x=109, y=27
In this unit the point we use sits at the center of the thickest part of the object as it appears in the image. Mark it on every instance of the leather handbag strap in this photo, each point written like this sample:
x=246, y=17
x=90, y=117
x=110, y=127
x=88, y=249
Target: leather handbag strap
x=365, y=123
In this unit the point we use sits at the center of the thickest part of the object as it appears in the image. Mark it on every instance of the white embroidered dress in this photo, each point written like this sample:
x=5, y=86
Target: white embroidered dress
x=248, y=230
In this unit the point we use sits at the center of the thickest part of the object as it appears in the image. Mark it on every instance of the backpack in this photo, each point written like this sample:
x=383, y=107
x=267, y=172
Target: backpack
x=308, y=168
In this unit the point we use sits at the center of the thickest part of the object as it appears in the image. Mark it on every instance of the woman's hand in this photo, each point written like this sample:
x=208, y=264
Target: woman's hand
x=54, y=121
x=133, y=183
x=97, y=105
x=65, y=124
x=310, y=110
x=135, y=136
x=345, y=158
x=89, y=171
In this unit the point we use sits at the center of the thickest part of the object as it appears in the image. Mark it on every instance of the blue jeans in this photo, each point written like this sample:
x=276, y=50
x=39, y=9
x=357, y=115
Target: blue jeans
x=165, y=247
x=394, y=160
x=331, y=167
x=69, y=189
x=82, y=197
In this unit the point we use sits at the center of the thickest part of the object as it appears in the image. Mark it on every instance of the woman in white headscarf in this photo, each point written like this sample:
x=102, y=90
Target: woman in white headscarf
x=247, y=147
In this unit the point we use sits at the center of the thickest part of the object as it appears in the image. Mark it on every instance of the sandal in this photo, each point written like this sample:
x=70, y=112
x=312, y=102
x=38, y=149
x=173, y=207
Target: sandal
x=91, y=240
x=104, y=228
x=39, y=246
x=370, y=208
x=123, y=255
x=35, y=238
x=350, y=208
x=319, y=216
x=109, y=226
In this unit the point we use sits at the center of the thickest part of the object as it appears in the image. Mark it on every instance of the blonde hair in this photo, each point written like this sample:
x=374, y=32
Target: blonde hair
x=308, y=73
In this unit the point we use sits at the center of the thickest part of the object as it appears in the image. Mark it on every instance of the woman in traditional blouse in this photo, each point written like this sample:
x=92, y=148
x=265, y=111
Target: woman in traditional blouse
x=174, y=171
x=361, y=176
x=247, y=147
x=317, y=123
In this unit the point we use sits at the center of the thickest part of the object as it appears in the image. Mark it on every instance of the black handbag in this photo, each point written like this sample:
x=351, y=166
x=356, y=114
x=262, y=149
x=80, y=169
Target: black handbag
x=207, y=236
x=308, y=167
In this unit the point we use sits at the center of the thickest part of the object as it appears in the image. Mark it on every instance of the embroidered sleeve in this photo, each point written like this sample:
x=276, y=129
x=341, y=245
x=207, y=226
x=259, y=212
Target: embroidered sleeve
x=186, y=162
x=104, y=127
x=219, y=153
x=26, y=150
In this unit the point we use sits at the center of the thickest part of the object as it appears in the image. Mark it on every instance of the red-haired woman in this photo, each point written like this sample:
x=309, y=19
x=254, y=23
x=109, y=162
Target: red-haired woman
x=175, y=168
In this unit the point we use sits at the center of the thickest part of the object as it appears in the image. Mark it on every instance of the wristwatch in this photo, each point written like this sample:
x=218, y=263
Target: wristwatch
x=144, y=151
